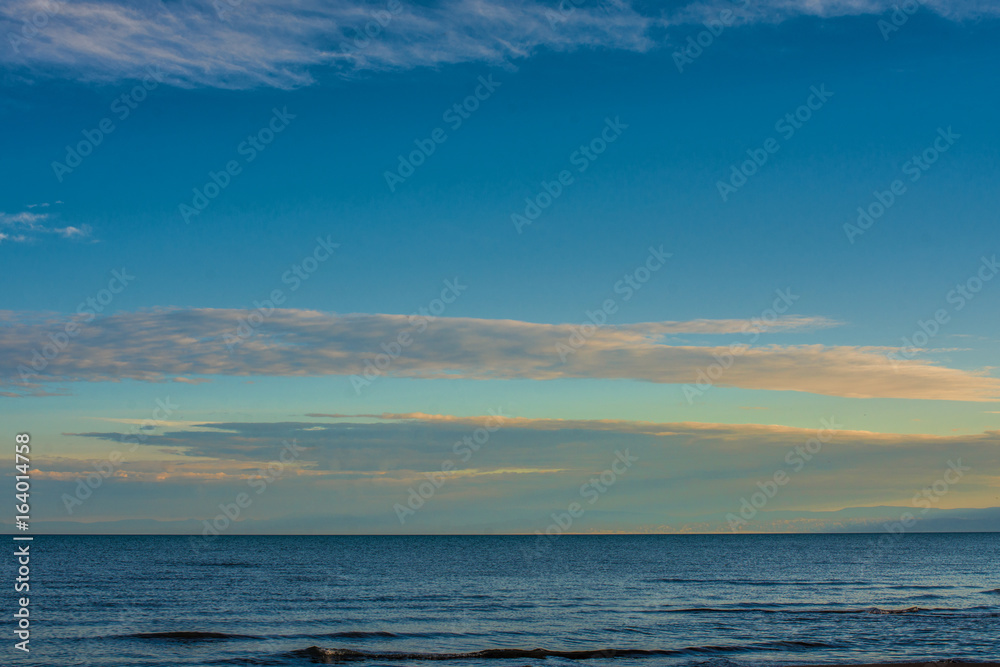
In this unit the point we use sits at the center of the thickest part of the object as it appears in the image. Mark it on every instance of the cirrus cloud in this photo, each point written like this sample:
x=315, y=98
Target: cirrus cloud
x=246, y=43
x=250, y=43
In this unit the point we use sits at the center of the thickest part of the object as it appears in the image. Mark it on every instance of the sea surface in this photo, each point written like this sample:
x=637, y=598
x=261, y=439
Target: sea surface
x=627, y=601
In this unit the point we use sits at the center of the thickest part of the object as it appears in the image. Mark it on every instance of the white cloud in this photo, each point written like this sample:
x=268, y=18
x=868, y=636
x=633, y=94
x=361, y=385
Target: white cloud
x=247, y=43
x=71, y=232
x=24, y=220
x=239, y=44
x=27, y=226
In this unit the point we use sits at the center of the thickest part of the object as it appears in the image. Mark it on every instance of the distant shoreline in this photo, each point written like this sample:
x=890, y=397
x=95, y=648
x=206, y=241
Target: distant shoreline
x=934, y=663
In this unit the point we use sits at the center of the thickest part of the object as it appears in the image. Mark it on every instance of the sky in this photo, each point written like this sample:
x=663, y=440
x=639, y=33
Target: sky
x=464, y=266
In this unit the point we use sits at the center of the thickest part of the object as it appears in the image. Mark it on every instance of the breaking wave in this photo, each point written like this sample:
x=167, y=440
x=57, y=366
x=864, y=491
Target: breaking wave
x=336, y=655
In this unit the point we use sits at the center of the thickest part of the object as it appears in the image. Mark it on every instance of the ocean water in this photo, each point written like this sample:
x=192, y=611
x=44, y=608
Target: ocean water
x=627, y=601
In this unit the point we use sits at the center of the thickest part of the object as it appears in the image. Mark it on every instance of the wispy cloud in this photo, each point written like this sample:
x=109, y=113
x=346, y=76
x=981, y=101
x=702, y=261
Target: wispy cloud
x=27, y=226
x=164, y=344
x=269, y=42
x=774, y=11
x=246, y=43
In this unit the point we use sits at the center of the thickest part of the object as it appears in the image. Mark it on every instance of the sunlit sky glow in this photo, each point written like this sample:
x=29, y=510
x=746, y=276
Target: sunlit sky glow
x=237, y=225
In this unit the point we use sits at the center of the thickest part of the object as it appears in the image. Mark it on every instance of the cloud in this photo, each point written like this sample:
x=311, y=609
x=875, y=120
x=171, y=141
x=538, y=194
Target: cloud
x=396, y=447
x=242, y=43
x=791, y=323
x=36, y=393
x=247, y=43
x=775, y=11
x=689, y=476
x=27, y=226
x=72, y=232
x=177, y=344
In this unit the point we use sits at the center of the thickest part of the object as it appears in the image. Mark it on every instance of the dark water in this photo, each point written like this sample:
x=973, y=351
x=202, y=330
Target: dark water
x=652, y=600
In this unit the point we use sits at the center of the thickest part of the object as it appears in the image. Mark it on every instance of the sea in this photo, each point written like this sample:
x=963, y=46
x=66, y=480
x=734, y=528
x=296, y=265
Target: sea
x=499, y=601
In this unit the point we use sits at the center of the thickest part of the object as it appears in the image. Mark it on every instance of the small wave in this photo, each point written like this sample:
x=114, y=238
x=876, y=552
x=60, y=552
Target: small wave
x=189, y=636
x=715, y=610
x=773, y=610
x=348, y=634
x=907, y=610
x=336, y=655
x=638, y=631
x=995, y=591
x=757, y=582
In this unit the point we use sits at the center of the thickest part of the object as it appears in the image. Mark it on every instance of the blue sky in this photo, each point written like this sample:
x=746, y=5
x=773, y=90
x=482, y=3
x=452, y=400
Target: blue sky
x=557, y=81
